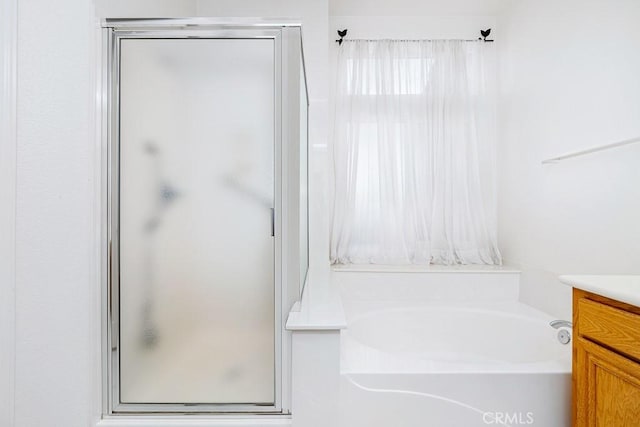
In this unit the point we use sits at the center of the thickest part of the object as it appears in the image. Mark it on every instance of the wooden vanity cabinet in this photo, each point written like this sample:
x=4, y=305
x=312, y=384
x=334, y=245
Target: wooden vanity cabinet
x=606, y=362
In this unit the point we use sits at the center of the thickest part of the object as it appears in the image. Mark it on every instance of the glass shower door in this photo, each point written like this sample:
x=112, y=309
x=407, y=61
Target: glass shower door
x=196, y=198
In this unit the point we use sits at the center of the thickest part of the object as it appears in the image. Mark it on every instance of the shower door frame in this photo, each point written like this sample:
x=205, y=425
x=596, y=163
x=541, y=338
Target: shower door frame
x=113, y=32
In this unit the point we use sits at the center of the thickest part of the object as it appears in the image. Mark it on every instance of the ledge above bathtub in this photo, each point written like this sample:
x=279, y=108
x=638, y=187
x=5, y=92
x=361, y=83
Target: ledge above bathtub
x=314, y=320
x=319, y=309
x=623, y=288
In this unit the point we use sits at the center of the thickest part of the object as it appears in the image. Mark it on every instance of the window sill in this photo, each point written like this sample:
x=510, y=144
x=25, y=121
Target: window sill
x=380, y=268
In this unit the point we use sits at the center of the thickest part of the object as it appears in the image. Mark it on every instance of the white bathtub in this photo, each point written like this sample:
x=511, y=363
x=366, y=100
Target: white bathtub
x=422, y=359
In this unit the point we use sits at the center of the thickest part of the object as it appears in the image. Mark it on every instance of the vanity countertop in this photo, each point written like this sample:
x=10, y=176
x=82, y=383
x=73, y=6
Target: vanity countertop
x=623, y=288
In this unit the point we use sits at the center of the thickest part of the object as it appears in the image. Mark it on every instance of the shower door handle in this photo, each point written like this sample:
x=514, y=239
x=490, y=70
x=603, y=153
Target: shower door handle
x=272, y=212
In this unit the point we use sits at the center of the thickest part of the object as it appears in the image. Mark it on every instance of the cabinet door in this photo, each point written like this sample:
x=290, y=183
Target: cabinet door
x=607, y=387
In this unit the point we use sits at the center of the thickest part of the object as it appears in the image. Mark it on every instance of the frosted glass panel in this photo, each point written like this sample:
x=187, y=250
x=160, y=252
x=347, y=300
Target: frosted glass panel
x=196, y=192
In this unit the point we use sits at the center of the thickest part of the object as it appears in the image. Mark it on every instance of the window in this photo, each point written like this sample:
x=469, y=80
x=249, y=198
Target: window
x=413, y=154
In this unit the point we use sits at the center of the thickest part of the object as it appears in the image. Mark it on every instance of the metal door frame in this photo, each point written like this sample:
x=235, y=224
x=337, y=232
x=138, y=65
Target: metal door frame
x=113, y=32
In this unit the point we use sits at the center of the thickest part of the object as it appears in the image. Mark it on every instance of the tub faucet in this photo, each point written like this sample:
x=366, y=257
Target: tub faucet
x=564, y=336
x=561, y=324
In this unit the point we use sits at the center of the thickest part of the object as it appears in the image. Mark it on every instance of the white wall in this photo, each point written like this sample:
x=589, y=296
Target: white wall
x=420, y=8
x=144, y=8
x=569, y=81
x=54, y=230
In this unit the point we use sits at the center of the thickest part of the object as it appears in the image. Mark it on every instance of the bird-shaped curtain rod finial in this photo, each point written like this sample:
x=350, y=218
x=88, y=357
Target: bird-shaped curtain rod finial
x=485, y=34
x=341, y=34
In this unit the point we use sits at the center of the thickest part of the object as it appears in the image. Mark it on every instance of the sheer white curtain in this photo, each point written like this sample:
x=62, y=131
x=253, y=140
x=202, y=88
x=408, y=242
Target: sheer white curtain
x=414, y=154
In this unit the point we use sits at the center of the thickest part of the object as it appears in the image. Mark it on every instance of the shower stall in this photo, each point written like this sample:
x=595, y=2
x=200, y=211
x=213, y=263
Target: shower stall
x=206, y=231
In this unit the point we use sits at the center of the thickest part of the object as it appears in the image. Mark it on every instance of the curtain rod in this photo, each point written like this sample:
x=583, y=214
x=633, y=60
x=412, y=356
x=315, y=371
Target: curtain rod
x=483, y=33
x=419, y=40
